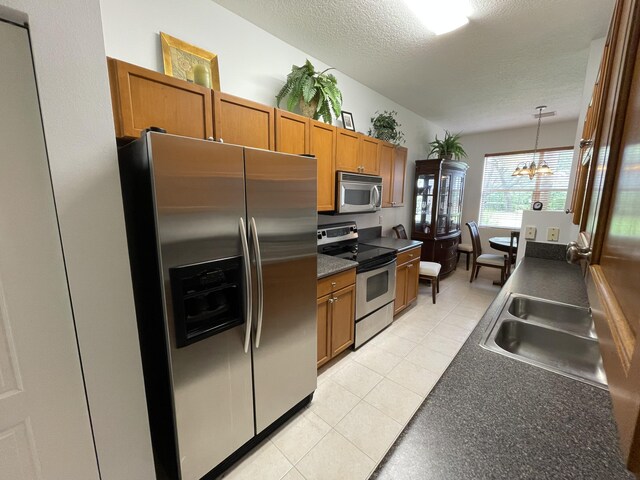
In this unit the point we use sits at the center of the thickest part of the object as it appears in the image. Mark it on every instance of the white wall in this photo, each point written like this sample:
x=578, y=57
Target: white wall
x=68, y=53
x=559, y=134
x=253, y=64
x=544, y=220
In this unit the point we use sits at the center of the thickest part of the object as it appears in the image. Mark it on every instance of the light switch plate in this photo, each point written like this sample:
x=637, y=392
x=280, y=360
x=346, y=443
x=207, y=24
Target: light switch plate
x=553, y=233
x=530, y=232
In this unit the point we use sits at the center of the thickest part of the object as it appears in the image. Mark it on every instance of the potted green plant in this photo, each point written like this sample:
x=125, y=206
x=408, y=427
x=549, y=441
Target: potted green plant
x=384, y=126
x=315, y=93
x=448, y=148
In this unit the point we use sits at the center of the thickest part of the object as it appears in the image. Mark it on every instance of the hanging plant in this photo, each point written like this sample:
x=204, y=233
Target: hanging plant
x=315, y=93
x=384, y=126
x=448, y=148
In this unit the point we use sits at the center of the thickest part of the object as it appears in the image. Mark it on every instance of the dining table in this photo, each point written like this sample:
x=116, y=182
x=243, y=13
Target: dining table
x=503, y=243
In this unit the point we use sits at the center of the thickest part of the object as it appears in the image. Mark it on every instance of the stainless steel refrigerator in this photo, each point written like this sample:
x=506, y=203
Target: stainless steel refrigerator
x=222, y=242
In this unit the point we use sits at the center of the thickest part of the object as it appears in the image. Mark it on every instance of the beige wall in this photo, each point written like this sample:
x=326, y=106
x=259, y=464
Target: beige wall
x=560, y=134
x=68, y=54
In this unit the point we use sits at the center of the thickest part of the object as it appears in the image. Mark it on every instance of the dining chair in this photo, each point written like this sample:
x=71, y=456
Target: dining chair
x=484, y=259
x=467, y=249
x=428, y=270
x=512, y=254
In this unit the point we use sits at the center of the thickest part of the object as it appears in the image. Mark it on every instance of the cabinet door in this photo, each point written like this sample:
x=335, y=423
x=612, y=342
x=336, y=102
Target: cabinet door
x=343, y=319
x=324, y=332
x=347, y=150
x=141, y=98
x=386, y=153
x=399, y=174
x=323, y=146
x=423, y=201
x=243, y=122
x=292, y=133
x=610, y=227
x=413, y=273
x=455, y=202
x=401, y=289
x=369, y=154
x=444, y=192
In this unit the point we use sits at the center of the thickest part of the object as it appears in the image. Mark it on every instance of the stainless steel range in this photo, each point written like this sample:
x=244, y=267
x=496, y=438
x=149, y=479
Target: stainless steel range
x=375, y=276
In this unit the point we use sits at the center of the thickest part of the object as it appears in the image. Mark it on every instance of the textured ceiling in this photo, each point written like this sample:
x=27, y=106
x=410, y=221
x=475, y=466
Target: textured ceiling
x=490, y=74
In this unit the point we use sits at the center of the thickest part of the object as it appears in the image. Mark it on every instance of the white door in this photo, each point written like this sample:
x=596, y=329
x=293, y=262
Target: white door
x=44, y=421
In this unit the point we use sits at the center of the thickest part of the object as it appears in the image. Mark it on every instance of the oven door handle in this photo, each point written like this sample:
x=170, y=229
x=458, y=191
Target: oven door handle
x=376, y=267
x=247, y=284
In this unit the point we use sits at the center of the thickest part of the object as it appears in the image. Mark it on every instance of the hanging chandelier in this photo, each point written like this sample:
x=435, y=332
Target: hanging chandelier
x=532, y=169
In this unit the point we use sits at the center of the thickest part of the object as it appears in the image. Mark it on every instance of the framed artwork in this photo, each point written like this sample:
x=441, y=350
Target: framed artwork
x=347, y=121
x=180, y=58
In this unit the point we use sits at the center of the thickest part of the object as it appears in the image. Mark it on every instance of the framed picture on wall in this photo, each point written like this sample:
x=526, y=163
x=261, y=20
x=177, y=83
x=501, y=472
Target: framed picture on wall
x=182, y=59
x=347, y=121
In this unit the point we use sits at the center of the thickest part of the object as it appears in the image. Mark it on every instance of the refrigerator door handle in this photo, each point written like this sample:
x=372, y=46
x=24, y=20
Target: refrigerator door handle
x=247, y=284
x=256, y=247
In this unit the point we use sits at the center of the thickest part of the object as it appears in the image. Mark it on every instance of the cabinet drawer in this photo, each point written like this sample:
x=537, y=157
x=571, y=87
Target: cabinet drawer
x=408, y=255
x=336, y=282
x=449, y=243
x=448, y=265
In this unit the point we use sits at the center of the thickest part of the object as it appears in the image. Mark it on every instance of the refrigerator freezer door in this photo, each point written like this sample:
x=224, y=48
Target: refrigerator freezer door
x=199, y=199
x=281, y=200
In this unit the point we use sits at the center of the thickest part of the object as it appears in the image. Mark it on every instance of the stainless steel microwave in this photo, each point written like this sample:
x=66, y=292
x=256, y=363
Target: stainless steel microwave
x=358, y=193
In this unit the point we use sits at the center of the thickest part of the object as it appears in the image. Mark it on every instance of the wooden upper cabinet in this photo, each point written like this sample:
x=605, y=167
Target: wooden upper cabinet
x=393, y=169
x=347, y=150
x=399, y=175
x=243, y=122
x=143, y=98
x=292, y=132
x=322, y=144
x=386, y=154
x=609, y=221
x=369, y=161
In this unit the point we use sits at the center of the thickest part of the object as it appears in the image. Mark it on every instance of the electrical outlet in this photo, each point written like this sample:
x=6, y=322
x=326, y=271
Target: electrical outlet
x=553, y=233
x=530, y=232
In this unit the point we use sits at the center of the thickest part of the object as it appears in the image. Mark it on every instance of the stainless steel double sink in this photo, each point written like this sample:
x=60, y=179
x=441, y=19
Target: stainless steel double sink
x=555, y=336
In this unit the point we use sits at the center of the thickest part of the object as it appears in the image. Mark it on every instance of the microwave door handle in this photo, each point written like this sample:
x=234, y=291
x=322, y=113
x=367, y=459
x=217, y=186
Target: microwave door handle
x=248, y=307
x=376, y=195
x=256, y=247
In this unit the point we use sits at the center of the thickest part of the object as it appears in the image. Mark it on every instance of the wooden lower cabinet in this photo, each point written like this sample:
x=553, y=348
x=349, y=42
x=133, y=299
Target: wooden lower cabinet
x=407, y=277
x=336, y=315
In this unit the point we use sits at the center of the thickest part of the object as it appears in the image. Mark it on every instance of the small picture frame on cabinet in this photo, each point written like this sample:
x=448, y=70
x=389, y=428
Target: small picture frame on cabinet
x=347, y=121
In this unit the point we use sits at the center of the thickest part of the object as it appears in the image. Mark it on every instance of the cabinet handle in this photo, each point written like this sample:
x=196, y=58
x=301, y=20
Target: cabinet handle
x=335, y=299
x=411, y=255
x=409, y=266
x=333, y=284
x=331, y=300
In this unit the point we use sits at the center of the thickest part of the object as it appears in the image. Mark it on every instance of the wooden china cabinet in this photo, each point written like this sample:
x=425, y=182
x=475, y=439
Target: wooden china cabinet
x=437, y=207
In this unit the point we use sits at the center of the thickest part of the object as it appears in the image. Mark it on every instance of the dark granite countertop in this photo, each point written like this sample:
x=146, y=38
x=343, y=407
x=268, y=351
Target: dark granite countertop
x=492, y=417
x=328, y=265
x=397, y=244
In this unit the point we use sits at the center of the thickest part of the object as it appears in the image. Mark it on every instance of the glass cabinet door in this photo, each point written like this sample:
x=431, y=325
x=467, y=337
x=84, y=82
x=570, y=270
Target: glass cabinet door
x=455, y=203
x=425, y=184
x=444, y=201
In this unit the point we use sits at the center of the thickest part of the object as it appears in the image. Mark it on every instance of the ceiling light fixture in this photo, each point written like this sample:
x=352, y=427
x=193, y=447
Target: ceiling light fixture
x=441, y=16
x=532, y=169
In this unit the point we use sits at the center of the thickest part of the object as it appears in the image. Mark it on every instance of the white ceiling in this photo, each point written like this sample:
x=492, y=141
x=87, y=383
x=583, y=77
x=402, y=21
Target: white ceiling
x=491, y=74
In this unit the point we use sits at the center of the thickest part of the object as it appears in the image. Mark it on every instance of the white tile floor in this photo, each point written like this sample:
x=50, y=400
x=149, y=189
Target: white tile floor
x=365, y=398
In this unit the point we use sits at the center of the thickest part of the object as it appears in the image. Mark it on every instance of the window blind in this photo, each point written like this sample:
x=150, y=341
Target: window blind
x=504, y=197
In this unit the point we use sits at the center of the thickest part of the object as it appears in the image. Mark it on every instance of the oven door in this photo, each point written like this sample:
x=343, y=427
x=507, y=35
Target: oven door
x=375, y=288
x=357, y=197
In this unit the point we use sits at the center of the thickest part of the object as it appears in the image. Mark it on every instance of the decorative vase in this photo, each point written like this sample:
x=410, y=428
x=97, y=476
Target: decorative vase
x=308, y=109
